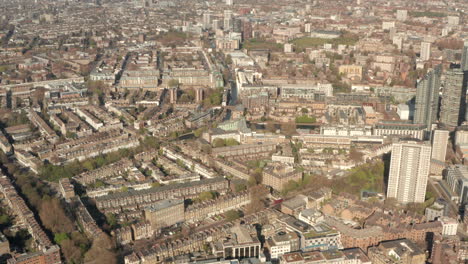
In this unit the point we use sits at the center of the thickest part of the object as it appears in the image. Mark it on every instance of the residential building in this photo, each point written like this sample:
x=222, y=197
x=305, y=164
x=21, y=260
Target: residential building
x=402, y=15
x=283, y=242
x=464, y=60
x=436, y=210
x=409, y=171
x=165, y=213
x=4, y=245
x=402, y=251
x=425, y=51
x=321, y=237
x=47, y=256
x=400, y=129
x=278, y=176
x=427, y=98
x=457, y=180
x=239, y=244
x=449, y=226
x=66, y=188
x=453, y=102
x=440, y=140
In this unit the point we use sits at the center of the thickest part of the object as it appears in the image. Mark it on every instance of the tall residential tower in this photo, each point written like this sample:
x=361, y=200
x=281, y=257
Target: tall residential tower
x=409, y=170
x=453, y=102
x=440, y=140
x=427, y=98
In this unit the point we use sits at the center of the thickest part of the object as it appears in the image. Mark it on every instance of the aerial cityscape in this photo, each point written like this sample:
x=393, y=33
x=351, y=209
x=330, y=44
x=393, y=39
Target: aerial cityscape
x=233, y=131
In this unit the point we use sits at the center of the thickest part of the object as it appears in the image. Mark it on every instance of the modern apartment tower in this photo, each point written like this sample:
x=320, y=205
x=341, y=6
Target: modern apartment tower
x=457, y=181
x=464, y=68
x=409, y=170
x=427, y=98
x=439, y=144
x=453, y=102
x=206, y=20
x=402, y=15
x=464, y=60
x=425, y=51
x=227, y=19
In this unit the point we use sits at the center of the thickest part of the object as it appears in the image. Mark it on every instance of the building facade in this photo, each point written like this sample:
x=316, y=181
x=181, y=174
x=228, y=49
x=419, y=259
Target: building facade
x=453, y=102
x=439, y=144
x=409, y=171
x=427, y=98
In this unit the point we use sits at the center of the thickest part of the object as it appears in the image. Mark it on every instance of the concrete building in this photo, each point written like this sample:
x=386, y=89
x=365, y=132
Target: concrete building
x=461, y=137
x=446, y=250
x=165, y=213
x=227, y=19
x=453, y=102
x=66, y=188
x=283, y=242
x=449, y=226
x=240, y=244
x=321, y=237
x=453, y=20
x=4, y=245
x=387, y=25
x=351, y=71
x=425, y=53
x=457, y=180
x=427, y=98
x=401, y=251
x=403, y=111
x=207, y=20
x=288, y=48
x=438, y=209
x=402, y=15
x=140, y=198
x=464, y=60
x=399, y=128
x=409, y=170
x=278, y=176
x=439, y=144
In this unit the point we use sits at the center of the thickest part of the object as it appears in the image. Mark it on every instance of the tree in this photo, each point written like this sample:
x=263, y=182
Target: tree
x=270, y=127
x=70, y=251
x=258, y=194
x=198, y=132
x=151, y=142
x=206, y=149
x=111, y=220
x=232, y=215
x=240, y=187
x=228, y=59
x=288, y=129
x=53, y=216
x=355, y=155
x=173, y=83
x=290, y=186
x=305, y=119
x=59, y=237
x=231, y=142
x=218, y=142
x=101, y=251
x=4, y=219
x=207, y=195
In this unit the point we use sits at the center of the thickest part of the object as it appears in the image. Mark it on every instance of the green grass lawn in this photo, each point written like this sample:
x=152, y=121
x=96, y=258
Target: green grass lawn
x=427, y=14
x=253, y=44
x=307, y=42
